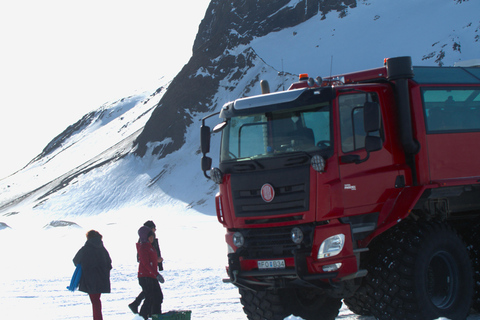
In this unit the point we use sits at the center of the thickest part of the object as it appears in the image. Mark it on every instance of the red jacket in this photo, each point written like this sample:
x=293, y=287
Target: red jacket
x=148, y=260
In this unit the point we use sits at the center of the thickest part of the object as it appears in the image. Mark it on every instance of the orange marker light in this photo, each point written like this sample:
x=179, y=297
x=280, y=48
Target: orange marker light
x=303, y=76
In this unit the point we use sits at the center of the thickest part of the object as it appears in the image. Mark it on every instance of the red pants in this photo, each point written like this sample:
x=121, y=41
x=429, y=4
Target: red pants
x=96, y=306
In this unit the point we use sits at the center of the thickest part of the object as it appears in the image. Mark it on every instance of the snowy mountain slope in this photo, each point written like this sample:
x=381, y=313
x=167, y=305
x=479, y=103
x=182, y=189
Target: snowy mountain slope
x=226, y=26
x=115, y=178
x=431, y=32
x=101, y=136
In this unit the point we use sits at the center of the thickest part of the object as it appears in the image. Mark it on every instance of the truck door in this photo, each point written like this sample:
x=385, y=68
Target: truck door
x=365, y=185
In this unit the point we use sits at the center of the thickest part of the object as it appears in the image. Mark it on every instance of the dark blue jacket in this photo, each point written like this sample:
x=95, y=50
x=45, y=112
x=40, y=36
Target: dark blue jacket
x=96, y=266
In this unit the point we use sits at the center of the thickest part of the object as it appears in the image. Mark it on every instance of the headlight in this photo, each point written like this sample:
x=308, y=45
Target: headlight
x=217, y=175
x=297, y=235
x=238, y=239
x=331, y=246
x=318, y=163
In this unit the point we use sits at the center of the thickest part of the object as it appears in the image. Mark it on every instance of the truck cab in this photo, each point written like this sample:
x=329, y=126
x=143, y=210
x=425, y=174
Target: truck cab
x=311, y=179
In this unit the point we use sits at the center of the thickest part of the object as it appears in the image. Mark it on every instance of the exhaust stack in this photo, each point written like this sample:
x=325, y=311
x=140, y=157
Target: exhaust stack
x=265, y=86
x=399, y=70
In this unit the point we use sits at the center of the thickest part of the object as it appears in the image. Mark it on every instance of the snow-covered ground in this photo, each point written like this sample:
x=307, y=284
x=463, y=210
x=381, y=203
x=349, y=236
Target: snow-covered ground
x=36, y=266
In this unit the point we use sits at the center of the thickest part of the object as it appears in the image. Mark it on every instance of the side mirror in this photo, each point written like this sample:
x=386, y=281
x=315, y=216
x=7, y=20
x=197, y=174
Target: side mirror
x=206, y=165
x=373, y=143
x=371, y=116
x=371, y=123
x=205, y=139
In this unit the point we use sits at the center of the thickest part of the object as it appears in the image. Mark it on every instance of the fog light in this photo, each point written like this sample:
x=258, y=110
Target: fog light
x=318, y=163
x=217, y=175
x=297, y=235
x=331, y=246
x=238, y=239
x=331, y=267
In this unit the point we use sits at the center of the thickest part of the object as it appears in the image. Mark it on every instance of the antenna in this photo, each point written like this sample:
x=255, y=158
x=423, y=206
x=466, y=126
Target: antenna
x=331, y=65
x=283, y=78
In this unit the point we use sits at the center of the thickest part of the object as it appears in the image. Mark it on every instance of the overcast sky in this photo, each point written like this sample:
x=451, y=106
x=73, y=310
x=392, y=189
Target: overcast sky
x=60, y=59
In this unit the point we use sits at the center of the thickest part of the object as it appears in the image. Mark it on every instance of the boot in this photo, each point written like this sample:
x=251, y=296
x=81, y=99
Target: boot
x=134, y=306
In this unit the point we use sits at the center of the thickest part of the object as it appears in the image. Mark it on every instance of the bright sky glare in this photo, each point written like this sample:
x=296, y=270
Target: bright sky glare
x=61, y=59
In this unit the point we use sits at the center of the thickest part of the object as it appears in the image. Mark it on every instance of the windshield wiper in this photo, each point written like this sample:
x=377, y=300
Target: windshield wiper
x=248, y=166
x=257, y=162
x=298, y=159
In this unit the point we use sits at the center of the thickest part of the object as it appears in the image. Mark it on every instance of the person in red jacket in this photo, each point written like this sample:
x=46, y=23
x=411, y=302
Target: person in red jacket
x=138, y=300
x=148, y=273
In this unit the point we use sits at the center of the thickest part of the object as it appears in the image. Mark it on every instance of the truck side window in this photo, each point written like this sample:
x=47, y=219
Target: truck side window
x=451, y=110
x=351, y=120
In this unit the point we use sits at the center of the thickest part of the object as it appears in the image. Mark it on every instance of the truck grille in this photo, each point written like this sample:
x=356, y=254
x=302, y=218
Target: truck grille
x=291, y=187
x=268, y=243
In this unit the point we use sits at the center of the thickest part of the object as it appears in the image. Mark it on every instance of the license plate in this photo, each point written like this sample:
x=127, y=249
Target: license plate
x=271, y=264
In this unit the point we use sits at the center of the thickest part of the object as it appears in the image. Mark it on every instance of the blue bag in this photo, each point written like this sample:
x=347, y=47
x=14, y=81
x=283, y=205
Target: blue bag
x=75, y=278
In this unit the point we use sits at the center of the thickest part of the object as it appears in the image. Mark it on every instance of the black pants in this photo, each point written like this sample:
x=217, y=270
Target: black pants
x=139, y=299
x=153, y=297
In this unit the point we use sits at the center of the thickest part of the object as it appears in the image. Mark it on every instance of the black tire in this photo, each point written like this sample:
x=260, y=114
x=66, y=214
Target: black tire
x=357, y=303
x=422, y=271
x=308, y=304
x=311, y=304
x=472, y=235
x=262, y=305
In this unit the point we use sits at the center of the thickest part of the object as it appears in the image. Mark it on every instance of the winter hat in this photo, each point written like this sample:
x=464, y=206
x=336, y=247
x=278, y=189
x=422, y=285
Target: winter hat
x=150, y=224
x=144, y=233
x=93, y=234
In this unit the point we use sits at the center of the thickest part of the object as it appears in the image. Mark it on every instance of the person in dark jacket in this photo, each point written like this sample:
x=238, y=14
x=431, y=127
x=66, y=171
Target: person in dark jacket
x=148, y=273
x=136, y=303
x=96, y=265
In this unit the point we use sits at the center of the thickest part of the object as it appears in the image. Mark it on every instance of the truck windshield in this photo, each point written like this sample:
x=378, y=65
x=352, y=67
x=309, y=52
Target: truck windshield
x=269, y=134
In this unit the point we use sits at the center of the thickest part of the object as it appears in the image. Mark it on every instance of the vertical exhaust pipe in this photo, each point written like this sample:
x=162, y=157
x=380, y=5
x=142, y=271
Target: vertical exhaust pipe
x=265, y=86
x=399, y=70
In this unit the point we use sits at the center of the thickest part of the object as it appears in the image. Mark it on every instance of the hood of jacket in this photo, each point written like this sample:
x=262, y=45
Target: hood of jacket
x=143, y=234
x=94, y=242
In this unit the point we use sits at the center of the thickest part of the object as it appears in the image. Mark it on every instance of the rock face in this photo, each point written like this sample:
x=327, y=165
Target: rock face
x=227, y=24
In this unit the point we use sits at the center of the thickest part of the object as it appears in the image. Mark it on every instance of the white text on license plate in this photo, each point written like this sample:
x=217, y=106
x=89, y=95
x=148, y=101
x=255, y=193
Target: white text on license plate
x=271, y=264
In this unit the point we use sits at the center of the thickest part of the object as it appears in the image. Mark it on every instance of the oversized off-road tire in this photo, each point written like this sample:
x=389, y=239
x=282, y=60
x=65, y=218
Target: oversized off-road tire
x=308, y=304
x=357, y=303
x=311, y=304
x=422, y=271
x=262, y=305
x=472, y=237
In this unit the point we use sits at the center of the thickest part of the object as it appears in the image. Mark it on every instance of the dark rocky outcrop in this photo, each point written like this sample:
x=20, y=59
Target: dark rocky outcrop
x=60, y=223
x=227, y=24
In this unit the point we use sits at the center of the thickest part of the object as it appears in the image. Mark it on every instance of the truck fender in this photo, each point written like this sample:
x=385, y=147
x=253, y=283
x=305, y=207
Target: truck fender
x=395, y=210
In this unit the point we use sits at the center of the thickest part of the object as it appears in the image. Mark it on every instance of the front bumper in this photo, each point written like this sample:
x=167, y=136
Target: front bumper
x=297, y=275
x=302, y=268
